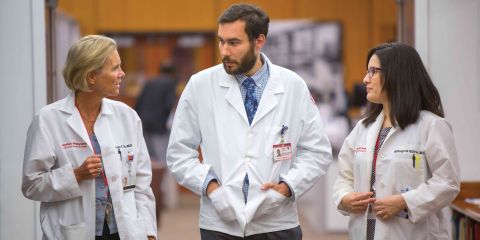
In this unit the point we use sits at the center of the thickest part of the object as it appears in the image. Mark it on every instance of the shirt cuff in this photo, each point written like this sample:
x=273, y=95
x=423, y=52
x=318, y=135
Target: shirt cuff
x=292, y=194
x=210, y=177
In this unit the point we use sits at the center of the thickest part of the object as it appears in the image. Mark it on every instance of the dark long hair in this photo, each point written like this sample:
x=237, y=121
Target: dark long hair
x=406, y=83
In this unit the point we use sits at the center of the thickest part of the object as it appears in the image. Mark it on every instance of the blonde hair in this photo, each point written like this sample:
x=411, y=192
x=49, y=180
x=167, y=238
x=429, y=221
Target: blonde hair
x=86, y=55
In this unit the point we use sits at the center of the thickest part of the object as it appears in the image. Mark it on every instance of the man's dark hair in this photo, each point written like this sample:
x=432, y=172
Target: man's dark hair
x=167, y=67
x=406, y=83
x=256, y=20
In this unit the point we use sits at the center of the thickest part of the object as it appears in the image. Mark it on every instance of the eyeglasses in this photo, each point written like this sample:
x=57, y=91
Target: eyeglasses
x=372, y=70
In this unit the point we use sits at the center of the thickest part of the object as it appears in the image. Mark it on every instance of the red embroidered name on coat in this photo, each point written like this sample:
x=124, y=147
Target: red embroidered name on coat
x=74, y=145
x=360, y=149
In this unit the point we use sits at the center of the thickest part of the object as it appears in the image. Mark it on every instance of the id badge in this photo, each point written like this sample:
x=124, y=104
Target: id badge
x=282, y=152
x=128, y=167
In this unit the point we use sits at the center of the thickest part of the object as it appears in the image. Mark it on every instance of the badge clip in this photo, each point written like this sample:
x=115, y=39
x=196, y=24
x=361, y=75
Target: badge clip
x=282, y=132
x=282, y=151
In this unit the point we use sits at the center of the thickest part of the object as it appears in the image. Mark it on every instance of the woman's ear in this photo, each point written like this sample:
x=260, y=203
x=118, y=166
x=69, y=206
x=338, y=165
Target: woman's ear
x=91, y=78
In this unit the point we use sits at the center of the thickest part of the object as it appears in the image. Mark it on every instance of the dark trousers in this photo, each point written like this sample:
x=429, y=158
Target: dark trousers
x=289, y=234
x=106, y=233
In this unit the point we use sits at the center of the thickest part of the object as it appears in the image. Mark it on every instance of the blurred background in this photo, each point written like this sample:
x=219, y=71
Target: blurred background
x=308, y=37
x=324, y=41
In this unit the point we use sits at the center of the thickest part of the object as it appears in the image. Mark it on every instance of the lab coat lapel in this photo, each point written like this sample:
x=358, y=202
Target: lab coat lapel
x=392, y=131
x=372, y=136
x=105, y=137
x=233, y=96
x=269, y=100
x=102, y=129
x=377, y=125
x=75, y=120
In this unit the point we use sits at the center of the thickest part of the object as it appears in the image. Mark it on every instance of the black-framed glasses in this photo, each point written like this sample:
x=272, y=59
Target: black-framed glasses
x=372, y=70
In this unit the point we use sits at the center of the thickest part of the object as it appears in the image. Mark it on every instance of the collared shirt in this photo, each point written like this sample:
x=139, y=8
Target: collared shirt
x=260, y=78
x=101, y=198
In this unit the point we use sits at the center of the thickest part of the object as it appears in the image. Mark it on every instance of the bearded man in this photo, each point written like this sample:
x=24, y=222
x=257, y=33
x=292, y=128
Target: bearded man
x=241, y=113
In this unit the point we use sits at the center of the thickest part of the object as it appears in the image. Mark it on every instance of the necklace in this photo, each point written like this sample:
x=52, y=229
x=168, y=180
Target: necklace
x=83, y=116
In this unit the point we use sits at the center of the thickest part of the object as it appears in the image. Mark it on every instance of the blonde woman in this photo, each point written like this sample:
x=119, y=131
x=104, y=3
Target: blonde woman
x=85, y=157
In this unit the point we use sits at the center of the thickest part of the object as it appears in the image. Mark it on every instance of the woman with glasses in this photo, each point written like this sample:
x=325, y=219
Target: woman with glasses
x=398, y=167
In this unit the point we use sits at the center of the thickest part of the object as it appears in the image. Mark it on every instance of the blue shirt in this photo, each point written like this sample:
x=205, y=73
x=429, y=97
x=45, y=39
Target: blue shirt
x=101, y=198
x=260, y=78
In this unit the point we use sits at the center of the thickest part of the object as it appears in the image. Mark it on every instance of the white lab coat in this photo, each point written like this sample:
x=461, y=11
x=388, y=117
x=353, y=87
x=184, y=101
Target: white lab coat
x=58, y=142
x=427, y=188
x=211, y=114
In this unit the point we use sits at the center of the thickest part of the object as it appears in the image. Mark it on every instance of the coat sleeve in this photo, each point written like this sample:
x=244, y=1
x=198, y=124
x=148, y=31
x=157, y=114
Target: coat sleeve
x=344, y=182
x=314, y=153
x=185, y=137
x=145, y=200
x=42, y=179
x=444, y=184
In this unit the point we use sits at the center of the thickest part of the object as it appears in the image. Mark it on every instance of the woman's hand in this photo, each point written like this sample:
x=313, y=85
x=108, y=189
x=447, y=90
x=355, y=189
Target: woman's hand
x=387, y=207
x=90, y=168
x=357, y=202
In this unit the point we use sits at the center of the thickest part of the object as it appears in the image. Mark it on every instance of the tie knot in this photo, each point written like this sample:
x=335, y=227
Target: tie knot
x=249, y=83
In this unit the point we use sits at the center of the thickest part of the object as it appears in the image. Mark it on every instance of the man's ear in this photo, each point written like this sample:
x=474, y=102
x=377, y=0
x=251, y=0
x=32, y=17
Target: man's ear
x=260, y=41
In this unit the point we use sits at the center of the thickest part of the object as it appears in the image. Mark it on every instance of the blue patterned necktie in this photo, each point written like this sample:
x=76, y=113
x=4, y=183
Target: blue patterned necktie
x=251, y=105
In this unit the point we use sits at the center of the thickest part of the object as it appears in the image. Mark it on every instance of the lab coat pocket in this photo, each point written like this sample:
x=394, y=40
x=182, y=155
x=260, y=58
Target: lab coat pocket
x=273, y=200
x=138, y=231
x=73, y=232
x=129, y=204
x=403, y=228
x=408, y=173
x=222, y=206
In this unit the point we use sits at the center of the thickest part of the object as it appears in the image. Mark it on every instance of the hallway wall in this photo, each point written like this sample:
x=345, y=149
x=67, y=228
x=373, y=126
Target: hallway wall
x=448, y=40
x=23, y=91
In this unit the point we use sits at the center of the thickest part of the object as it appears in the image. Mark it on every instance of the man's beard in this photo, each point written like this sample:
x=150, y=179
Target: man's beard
x=246, y=63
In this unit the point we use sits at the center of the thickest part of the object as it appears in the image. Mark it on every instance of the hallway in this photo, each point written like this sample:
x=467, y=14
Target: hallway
x=181, y=223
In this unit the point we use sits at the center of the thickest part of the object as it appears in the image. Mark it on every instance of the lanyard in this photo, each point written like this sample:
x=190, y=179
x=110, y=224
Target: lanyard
x=374, y=166
x=375, y=154
x=104, y=177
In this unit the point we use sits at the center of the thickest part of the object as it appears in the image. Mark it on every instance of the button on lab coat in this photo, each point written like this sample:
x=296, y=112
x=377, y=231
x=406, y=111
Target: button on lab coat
x=211, y=114
x=57, y=142
x=427, y=187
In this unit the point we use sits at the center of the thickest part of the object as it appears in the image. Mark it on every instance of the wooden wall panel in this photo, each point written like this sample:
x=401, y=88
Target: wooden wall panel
x=278, y=9
x=384, y=21
x=323, y=10
x=365, y=23
x=356, y=42
x=203, y=56
x=83, y=11
x=129, y=59
x=155, y=15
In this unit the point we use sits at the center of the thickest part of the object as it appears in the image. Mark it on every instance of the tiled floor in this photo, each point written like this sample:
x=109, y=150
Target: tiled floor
x=181, y=223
